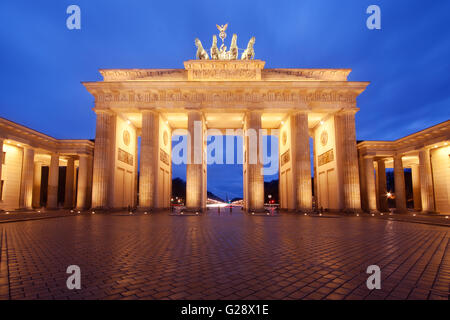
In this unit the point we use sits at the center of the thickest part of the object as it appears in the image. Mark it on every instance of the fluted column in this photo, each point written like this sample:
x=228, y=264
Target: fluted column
x=1, y=164
x=37, y=185
x=26, y=187
x=53, y=176
x=416, y=187
x=426, y=181
x=348, y=155
x=194, y=167
x=103, y=158
x=316, y=177
x=370, y=184
x=255, y=175
x=149, y=159
x=68, y=191
x=302, y=164
x=382, y=192
x=83, y=181
x=399, y=180
x=89, y=179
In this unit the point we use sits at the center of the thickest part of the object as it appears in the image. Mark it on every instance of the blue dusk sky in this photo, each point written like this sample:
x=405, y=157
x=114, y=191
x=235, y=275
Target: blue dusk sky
x=407, y=61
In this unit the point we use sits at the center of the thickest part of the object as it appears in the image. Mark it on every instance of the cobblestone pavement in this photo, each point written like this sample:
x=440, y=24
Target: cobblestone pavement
x=227, y=256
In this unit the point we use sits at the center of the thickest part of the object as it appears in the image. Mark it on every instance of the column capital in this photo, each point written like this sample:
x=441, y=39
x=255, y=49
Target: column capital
x=84, y=155
x=153, y=111
x=301, y=111
x=351, y=111
x=104, y=111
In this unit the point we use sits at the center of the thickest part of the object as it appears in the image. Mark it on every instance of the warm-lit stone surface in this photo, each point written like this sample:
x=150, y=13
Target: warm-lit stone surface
x=225, y=257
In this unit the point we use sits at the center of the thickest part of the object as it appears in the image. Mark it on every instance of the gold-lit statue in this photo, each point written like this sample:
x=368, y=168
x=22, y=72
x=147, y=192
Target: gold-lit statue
x=233, y=53
x=249, y=53
x=222, y=28
x=214, y=50
x=222, y=53
x=201, y=53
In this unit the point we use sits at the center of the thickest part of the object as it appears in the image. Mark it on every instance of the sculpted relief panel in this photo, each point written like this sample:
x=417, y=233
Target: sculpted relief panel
x=286, y=96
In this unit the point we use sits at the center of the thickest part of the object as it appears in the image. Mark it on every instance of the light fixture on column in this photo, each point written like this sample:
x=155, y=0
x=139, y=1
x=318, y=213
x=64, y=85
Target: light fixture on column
x=321, y=122
x=128, y=121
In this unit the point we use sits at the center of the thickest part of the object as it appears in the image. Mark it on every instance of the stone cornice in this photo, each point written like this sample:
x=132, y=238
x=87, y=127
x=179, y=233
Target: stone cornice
x=305, y=74
x=231, y=70
x=10, y=130
x=142, y=94
x=416, y=141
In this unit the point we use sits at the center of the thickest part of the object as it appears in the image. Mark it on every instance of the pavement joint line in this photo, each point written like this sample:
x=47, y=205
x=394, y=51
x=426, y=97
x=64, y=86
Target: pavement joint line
x=31, y=219
x=4, y=272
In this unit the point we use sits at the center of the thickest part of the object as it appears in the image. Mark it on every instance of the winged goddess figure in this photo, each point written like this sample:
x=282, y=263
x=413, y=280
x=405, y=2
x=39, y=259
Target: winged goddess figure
x=222, y=28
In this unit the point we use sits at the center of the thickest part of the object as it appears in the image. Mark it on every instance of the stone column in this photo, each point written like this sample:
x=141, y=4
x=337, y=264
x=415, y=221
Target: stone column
x=426, y=181
x=348, y=155
x=37, y=185
x=362, y=182
x=1, y=165
x=53, y=176
x=26, y=187
x=103, y=158
x=255, y=175
x=83, y=182
x=416, y=187
x=149, y=159
x=370, y=184
x=194, y=167
x=68, y=192
x=399, y=180
x=1, y=162
x=89, y=179
x=382, y=197
x=316, y=178
x=302, y=164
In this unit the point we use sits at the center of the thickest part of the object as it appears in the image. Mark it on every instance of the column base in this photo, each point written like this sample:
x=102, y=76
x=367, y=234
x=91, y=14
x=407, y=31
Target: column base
x=352, y=211
x=257, y=211
x=192, y=211
x=431, y=213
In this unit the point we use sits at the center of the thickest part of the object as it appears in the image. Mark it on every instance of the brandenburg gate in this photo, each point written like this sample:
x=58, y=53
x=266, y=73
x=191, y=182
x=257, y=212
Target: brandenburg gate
x=222, y=91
